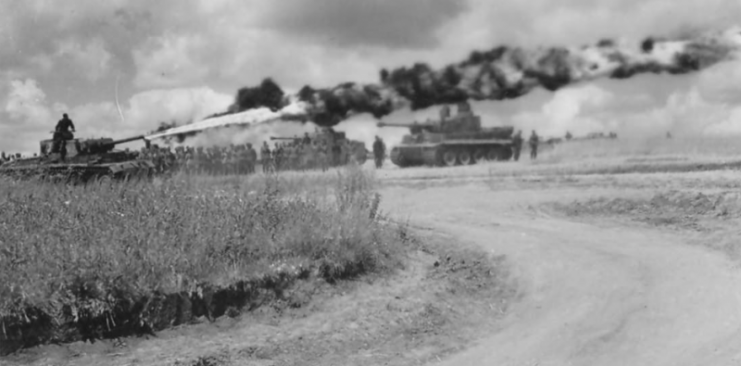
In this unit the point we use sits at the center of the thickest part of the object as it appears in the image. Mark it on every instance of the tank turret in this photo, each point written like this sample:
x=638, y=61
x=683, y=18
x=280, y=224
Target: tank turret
x=451, y=140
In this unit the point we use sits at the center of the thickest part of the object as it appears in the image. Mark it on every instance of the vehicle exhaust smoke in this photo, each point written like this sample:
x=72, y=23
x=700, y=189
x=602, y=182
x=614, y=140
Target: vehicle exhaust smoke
x=500, y=73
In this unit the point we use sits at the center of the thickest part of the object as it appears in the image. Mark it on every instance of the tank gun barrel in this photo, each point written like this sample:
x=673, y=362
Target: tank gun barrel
x=408, y=125
x=284, y=138
x=129, y=139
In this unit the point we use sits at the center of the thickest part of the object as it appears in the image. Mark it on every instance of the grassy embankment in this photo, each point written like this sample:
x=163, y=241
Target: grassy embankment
x=105, y=261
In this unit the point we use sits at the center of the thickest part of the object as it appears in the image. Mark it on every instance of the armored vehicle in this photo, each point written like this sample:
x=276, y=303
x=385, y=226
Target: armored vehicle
x=451, y=140
x=81, y=160
x=340, y=149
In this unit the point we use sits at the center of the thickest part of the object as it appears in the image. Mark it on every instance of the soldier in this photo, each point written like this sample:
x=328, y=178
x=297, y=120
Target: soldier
x=279, y=156
x=265, y=157
x=517, y=145
x=568, y=135
x=336, y=154
x=252, y=156
x=293, y=157
x=379, y=152
x=322, y=158
x=533, y=145
x=306, y=139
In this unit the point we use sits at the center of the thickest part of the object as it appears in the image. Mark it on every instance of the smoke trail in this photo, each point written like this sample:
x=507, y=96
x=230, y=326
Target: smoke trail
x=500, y=73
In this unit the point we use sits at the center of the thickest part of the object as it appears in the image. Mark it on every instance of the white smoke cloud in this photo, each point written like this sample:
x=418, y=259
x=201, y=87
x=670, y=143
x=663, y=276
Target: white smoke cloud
x=182, y=105
x=254, y=135
x=568, y=110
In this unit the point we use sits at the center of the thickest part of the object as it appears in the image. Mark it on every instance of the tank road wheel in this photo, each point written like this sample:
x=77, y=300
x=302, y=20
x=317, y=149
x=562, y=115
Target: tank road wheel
x=450, y=158
x=479, y=156
x=464, y=156
x=492, y=155
x=104, y=180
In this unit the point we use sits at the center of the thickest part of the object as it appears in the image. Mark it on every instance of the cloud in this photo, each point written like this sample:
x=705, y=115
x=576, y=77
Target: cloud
x=33, y=116
x=721, y=82
x=226, y=44
x=91, y=60
x=26, y=103
x=383, y=23
x=706, y=105
x=171, y=60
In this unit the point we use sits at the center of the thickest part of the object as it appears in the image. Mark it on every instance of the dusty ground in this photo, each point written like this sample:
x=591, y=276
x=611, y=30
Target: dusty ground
x=449, y=294
x=614, y=265
x=655, y=282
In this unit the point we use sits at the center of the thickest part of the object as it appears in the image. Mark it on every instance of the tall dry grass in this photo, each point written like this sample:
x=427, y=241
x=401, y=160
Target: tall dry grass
x=81, y=248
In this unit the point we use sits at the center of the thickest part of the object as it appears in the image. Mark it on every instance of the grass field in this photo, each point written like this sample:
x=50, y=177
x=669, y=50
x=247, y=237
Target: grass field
x=655, y=148
x=87, y=262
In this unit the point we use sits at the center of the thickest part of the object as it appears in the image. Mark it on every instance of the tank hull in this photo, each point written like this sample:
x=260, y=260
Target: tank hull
x=451, y=153
x=82, y=161
x=78, y=172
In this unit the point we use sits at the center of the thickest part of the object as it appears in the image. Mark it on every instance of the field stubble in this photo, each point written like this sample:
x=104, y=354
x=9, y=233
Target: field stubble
x=684, y=184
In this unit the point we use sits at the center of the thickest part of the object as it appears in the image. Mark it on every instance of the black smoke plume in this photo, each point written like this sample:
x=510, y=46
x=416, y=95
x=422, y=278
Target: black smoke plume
x=500, y=73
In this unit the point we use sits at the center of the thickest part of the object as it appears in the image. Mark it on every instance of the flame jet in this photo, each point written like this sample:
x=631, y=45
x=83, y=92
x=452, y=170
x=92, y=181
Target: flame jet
x=501, y=73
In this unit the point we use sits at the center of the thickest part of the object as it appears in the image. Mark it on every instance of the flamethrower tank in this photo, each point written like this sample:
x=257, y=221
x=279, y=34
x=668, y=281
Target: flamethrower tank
x=451, y=140
x=82, y=160
x=341, y=150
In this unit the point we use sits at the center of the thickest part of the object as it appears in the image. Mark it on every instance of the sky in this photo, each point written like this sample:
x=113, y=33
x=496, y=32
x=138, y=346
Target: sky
x=119, y=68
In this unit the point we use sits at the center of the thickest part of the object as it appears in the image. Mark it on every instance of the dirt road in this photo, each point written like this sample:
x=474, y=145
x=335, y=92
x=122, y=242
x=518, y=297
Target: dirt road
x=593, y=294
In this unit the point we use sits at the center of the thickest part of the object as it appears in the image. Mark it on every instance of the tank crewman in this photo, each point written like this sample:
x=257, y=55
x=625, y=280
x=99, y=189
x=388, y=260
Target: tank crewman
x=379, y=152
x=63, y=128
x=62, y=133
x=533, y=145
x=517, y=145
